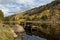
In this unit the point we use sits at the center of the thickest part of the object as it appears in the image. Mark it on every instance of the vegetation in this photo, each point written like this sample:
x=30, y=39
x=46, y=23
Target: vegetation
x=5, y=33
x=1, y=17
x=5, y=30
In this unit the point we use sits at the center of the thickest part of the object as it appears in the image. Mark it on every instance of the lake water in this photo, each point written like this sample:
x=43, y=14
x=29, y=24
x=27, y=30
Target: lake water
x=27, y=37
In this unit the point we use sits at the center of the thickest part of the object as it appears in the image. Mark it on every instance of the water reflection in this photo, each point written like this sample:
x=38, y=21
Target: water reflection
x=33, y=38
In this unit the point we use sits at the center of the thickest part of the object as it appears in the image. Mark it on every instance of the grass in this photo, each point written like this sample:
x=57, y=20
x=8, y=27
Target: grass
x=5, y=33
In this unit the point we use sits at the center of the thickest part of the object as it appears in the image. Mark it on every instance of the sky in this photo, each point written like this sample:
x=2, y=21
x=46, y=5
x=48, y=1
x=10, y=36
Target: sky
x=10, y=7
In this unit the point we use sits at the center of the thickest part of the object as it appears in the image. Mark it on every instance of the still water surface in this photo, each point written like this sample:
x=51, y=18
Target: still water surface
x=27, y=37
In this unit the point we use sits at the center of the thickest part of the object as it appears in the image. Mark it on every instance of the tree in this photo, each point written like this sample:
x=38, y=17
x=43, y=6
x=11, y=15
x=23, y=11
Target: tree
x=1, y=15
x=44, y=17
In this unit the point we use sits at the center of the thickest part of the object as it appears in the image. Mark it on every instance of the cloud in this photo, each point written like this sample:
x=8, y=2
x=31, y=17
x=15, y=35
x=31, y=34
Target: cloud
x=14, y=6
x=26, y=1
x=6, y=1
x=34, y=3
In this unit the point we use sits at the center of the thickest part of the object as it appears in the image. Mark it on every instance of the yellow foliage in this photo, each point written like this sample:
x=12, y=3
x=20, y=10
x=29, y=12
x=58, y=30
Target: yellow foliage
x=21, y=20
x=57, y=12
x=31, y=17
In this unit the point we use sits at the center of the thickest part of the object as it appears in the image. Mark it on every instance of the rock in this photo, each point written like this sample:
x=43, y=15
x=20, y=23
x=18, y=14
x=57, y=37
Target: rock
x=14, y=34
x=19, y=30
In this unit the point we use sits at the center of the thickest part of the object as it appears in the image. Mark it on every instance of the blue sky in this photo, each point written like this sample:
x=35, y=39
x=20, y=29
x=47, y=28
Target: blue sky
x=10, y=7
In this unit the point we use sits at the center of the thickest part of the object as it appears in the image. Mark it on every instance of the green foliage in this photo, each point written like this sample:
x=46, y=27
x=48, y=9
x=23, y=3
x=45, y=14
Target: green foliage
x=44, y=17
x=5, y=33
x=1, y=15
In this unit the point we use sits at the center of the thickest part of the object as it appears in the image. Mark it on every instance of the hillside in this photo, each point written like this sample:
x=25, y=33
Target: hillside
x=45, y=12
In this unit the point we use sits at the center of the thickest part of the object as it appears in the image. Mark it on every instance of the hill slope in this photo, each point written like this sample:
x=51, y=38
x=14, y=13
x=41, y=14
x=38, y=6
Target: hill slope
x=44, y=13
